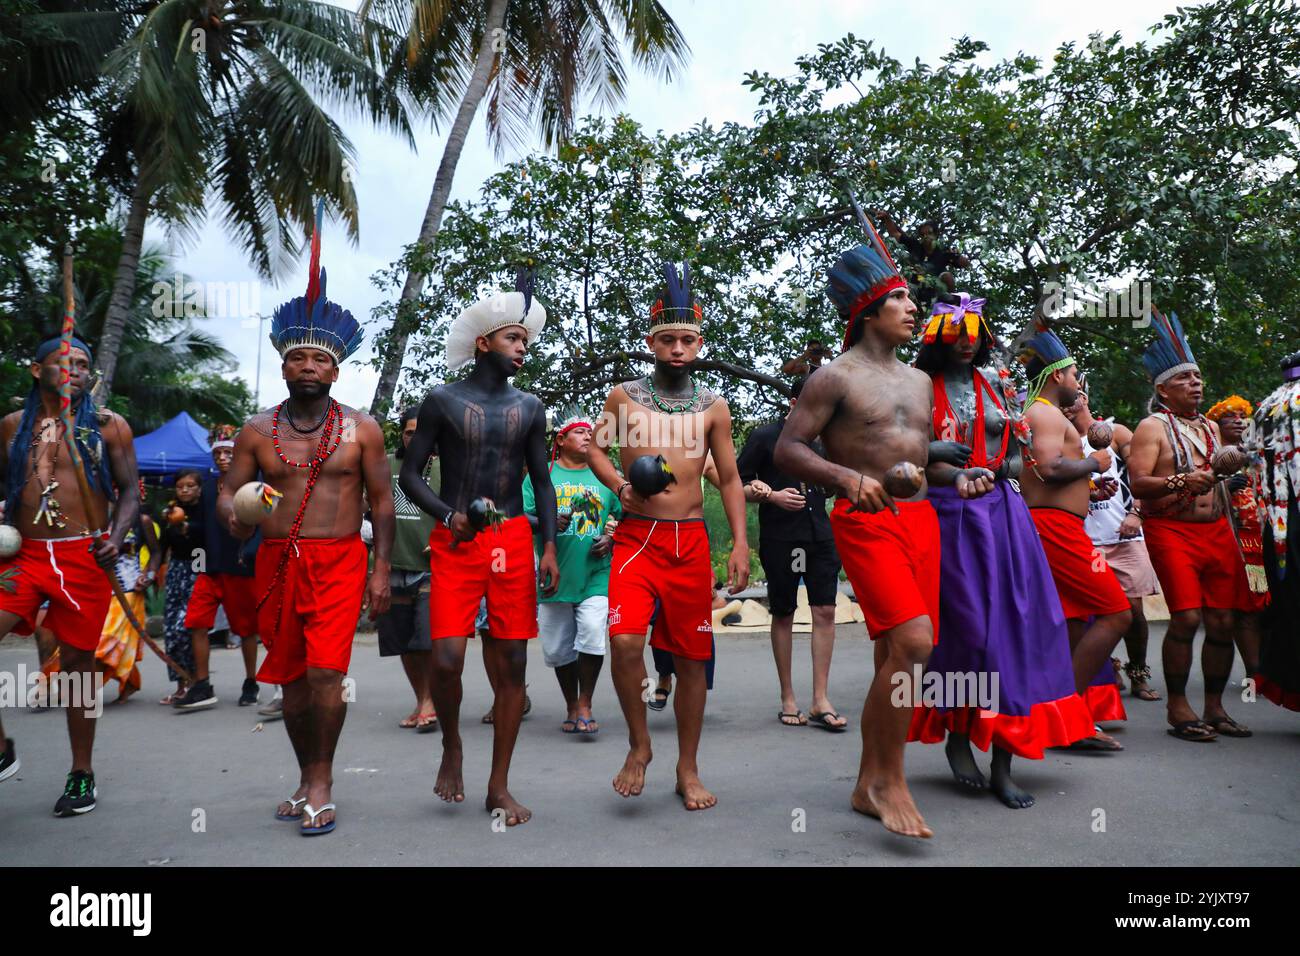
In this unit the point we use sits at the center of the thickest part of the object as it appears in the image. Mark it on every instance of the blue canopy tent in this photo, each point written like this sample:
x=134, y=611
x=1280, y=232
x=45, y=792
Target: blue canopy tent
x=180, y=443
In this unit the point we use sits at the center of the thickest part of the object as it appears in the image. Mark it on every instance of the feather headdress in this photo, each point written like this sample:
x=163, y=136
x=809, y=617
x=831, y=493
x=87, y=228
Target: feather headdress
x=1168, y=354
x=492, y=314
x=222, y=436
x=947, y=320
x=311, y=320
x=862, y=274
x=1051, y=351
x=676, y=307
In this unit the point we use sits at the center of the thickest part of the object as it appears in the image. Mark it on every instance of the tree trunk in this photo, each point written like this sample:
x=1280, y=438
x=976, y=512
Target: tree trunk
x=474, y=93
x=119, y=304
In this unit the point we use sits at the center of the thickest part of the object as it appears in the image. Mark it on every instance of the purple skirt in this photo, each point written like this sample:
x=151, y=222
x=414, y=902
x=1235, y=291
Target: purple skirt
x=1001, y=631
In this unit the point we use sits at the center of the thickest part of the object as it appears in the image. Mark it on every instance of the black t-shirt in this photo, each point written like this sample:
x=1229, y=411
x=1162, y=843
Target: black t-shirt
x=226, y=554
x=180, y=541
x=811, y=523
x=936, y=262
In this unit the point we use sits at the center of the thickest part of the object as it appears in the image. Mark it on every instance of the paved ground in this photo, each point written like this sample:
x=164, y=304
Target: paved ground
x=1165, y=802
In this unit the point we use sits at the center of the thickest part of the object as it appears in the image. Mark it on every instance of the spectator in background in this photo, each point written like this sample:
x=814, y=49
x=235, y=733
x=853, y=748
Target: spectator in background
x=404, y=628
x=182, y=540
x=794, y=543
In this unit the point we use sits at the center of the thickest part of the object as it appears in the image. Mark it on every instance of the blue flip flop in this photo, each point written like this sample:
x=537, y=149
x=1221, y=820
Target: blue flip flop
x=311, y=816
x=293, y=804
x=584, y=726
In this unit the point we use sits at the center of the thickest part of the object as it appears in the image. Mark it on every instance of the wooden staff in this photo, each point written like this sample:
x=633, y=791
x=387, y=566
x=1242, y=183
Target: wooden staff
x=83, y=485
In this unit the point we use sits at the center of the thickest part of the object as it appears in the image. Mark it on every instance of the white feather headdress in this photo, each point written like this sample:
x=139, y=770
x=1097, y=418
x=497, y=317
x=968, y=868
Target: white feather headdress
x=492, y=314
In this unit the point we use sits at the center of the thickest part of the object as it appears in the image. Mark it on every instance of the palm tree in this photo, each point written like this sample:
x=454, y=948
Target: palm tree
x=533, y=60
x=220, y=105
x=164, y=357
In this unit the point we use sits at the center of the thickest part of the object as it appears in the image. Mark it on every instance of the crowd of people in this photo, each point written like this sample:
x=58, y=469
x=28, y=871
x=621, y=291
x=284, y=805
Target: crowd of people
x=986, y=531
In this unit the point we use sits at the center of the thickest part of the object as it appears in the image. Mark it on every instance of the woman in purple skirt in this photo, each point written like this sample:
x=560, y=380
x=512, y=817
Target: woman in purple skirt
x=1000, y=673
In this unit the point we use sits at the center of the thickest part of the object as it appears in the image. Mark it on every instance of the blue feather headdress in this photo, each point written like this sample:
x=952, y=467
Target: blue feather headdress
x=862, y=274
x=311, y=320
x=1169, y=354
x=676, y=307
x=1051, y=351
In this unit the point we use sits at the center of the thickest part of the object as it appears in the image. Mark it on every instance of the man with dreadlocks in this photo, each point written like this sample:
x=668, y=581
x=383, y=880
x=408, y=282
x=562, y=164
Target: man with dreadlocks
x=60, y=560
x=873, y=413
x=573, y=620
x=1188, y=535
x=485, y=431
x=327, y=461
x=661, y=571
x=1058, y=487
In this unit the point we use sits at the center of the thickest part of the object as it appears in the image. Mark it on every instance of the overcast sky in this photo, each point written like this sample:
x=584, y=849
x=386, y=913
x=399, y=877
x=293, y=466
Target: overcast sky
x=727, y=38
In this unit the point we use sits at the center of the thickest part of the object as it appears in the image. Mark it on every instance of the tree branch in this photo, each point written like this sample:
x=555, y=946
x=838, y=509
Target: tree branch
x=699, y=365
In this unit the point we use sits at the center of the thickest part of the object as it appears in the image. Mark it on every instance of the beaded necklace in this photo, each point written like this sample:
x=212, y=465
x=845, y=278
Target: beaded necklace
x=333, y=416
x=664, y=406
x=1184, y=498
x=329, y=442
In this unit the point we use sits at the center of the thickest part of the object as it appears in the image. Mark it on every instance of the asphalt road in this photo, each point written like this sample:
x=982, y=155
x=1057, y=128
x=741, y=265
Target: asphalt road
x=1161, y=802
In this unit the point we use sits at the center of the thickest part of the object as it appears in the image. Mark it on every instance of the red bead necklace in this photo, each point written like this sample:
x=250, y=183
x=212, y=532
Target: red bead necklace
x=329, y=442
x=326, y=447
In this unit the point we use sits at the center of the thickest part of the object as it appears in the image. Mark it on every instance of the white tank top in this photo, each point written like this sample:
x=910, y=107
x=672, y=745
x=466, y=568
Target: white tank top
x=1105, y=517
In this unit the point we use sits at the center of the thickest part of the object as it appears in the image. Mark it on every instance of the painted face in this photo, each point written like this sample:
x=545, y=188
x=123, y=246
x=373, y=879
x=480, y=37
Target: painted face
x=1232, y=426
x=964, y=349
x=47, y=371
x=1183, y=392
x=1078, y=410
x=309, y=372
x=676, y=348
x=187, y=489
x=222, y=457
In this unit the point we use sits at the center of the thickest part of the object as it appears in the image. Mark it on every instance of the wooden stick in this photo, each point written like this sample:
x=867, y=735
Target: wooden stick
x=83, y=485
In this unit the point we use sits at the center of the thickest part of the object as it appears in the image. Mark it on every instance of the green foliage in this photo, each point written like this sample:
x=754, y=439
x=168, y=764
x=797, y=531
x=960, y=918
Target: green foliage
x=168, y=363
x=1171, y=161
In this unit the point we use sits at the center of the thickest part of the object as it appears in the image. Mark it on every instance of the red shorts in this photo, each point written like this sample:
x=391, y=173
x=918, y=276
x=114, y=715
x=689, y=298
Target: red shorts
x=1084, y=581
x=499, y=565
x=236, y=593
x=661, y=572
x=310, y=616
x=64, y=573
x=892, y=561
x=1198, y=564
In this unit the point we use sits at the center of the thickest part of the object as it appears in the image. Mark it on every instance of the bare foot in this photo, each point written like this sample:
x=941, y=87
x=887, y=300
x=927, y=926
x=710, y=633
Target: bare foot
x=893, y=807
x=287, y=808
x=692, y=792
x=514, y=811
x=630, y=781
x=317, y=794
x=450, y=786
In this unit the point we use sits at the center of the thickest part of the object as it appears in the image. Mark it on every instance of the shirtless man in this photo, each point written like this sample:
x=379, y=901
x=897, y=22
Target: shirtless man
x=60, y=562
x=1188, y=535
x=1058, y=486
x=1115, y=526
x=329, y=463
x=485, y=431
x=660, y=571
x=872, y=412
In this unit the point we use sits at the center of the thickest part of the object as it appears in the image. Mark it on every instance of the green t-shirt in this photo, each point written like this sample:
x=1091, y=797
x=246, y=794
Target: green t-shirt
x=591, y=504
x=413, y=525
